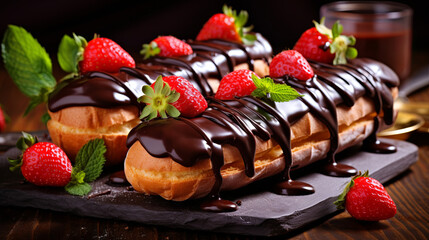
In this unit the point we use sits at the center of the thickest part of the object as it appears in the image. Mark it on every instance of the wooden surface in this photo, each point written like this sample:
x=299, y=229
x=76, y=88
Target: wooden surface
x=410, y=191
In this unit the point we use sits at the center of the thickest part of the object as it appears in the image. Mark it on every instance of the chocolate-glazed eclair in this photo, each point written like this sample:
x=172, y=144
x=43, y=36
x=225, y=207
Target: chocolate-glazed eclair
x=236, y=142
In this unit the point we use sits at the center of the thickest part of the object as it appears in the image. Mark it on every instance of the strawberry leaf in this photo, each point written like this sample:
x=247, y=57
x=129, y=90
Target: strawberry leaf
x=70, y=52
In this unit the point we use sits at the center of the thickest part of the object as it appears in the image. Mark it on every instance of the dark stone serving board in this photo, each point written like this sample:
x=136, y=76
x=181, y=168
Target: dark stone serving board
x=261, y=213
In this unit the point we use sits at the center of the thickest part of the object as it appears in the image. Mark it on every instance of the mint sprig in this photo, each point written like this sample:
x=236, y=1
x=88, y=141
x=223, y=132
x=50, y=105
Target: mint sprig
x=277, y=92
x=88, y=167
x=28, y=64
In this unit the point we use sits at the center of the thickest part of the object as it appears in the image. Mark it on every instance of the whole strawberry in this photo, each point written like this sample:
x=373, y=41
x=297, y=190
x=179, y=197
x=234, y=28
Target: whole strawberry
x=366, y=199
x=76, y=55
x=166, y=46
x=243, y=82
x=103, y=54
x=227, y=26
x=42, y=163
x=174, y=96
x=322, y=44
x=238, y=83
x=291, y=63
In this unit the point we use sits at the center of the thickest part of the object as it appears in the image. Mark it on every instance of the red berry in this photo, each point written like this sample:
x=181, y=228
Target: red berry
x=45, y=164
x=172, y=47
x=219, y=26
x=366, y=199
x=315, y=46
x=292, y=63
x=2, y=120
x=103, y=54
x=190, y=103
x=238, y=83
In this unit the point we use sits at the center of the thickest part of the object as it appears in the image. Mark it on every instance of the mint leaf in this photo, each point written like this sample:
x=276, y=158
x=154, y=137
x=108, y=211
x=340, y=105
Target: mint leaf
x=26, y=61
x=89, y=165
x=283, y=93
x=79, y=189
x=90, y=159
x=70, y=52
x=277, y=92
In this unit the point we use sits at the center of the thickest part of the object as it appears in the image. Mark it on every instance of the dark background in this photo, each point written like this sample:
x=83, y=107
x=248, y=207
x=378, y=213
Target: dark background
x=132, y=23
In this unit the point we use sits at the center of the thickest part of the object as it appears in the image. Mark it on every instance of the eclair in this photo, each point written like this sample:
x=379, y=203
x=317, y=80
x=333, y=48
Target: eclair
x=104, y=105
x=236, y=142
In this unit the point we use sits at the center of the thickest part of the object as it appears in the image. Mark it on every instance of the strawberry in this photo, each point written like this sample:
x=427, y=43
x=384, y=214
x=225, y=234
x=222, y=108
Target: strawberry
x=166, y=46
x=291, y=63
x=42, y=163
x=172, y=95
x=238, y=83
x=366, y=199
x=76, y=55
x=322, y=44
x=227, y=26
x=2, y=120
x=103, y=54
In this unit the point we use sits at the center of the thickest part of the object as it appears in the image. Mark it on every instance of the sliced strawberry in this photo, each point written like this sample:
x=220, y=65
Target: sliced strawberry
x=366, y=199
x=103, y=54
x=238, y=83
x=322, y=44
x=166, y=46
x=174, y=96
x=291, y=63
x=42, y=163
x=227, y=26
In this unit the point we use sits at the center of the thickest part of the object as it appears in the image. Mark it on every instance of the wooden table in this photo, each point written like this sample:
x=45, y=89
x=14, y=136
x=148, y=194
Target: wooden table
x=410, y=191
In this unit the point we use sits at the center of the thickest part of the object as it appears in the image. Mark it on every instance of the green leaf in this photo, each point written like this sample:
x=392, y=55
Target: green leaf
x=45, y=118
x=80, y=189
x=26, y=61
x=173, y=97
x=67, y=54
x=277, y=92
x=283, y=93
x=158, y=84
x=90, y=159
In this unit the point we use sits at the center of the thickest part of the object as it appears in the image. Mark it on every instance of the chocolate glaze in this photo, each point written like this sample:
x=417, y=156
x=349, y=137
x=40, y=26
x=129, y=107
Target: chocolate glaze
x=211, y=59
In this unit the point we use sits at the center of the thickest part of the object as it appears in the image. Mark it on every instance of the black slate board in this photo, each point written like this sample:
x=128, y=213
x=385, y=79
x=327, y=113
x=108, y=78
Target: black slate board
x=261, y=213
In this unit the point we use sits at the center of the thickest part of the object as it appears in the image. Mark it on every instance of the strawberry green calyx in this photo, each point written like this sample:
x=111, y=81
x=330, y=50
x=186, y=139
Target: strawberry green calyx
x=70, y=53
x=150, y=49
x=158, y=101
x=341, y=200
x=266, y=88
x=27, y=140
x=341, y=45
x=239, y=21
